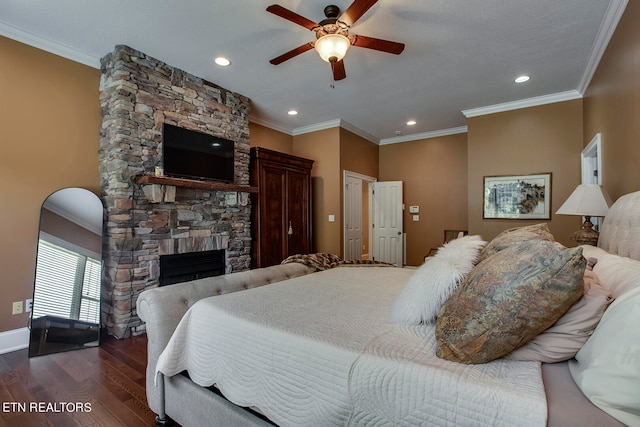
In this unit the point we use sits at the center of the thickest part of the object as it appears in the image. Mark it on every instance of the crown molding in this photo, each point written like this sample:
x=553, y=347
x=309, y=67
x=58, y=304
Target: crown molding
x=271, y=125
x=605, y=32
x=316, y=127
x=523, y=103
x=59, y=49
x=424, y=135
x=356, y=130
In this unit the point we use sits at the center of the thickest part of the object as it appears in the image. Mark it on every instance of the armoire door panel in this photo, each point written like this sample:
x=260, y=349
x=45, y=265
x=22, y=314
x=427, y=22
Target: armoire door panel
x=297, y=213
x=273, y=239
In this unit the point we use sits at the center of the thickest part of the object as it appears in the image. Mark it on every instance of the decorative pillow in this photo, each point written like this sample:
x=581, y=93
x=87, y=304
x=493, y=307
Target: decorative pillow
x=563, y=340
x=508, y=299
x=433, y=282
x=607, y=367
x=514, y=236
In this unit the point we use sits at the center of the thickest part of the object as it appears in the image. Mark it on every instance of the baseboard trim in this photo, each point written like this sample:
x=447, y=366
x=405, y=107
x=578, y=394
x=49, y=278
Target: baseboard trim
x=14, y=340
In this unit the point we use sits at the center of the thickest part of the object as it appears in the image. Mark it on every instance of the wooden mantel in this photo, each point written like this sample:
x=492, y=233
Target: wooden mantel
x=194, y=184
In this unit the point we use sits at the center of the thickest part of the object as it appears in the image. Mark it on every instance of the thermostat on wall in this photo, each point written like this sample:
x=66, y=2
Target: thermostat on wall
x=414, y=209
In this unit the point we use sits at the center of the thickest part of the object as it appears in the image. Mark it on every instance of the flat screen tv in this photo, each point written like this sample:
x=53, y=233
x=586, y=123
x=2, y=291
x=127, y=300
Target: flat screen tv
x=196, y=155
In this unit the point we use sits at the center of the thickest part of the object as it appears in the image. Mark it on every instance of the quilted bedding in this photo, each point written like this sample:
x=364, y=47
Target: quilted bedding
x=319, y=350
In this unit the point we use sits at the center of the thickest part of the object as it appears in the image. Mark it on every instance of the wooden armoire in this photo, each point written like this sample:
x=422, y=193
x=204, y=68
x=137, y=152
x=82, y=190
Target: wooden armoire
x=281, y=221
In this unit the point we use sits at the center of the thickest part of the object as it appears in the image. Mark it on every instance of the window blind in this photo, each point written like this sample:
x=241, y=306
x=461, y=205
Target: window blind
x=67, y=284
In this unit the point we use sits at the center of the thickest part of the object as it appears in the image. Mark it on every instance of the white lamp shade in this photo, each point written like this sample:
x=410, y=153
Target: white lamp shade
x=586, y=200
x=332, y=46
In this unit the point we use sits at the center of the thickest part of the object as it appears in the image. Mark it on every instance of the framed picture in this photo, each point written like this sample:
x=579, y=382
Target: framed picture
x=517, y=196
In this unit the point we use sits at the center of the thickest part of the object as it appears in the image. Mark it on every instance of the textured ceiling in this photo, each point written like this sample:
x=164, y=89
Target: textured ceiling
x=460, y=55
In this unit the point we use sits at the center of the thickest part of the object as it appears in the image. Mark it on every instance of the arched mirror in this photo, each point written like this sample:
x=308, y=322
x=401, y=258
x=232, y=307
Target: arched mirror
x=66, y=298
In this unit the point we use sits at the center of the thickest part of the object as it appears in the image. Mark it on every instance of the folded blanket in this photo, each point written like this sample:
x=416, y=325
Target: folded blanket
x=325, y=261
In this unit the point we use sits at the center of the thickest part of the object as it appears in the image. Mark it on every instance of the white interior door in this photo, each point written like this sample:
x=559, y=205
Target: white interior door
x=353, y=217
x=387, y=222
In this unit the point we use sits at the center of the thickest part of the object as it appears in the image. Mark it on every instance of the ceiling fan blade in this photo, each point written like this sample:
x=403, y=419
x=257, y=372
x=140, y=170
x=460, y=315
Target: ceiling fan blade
x=338, y=70
x=356, y=10
x=293, y=52
x=282, y=12
x=377, y=44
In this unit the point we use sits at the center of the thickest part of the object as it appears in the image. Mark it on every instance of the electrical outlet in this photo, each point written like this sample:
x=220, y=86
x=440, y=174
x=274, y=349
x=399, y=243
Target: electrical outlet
x=28, y=305
x=17, y=307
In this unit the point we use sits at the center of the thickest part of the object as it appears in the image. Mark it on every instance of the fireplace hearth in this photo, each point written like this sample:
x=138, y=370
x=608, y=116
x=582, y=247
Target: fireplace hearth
x=178, y=268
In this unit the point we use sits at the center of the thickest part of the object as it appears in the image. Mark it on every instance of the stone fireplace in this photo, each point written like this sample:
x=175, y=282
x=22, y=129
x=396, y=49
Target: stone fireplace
x=146, y=220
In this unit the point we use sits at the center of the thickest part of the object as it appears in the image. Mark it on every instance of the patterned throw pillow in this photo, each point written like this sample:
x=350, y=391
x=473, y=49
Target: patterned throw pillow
x=508, y=299
x=514, y=236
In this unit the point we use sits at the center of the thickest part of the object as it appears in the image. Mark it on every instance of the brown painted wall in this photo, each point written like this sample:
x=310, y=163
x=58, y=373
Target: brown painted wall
x=361, y=156
x=262, y=136
x=50, y=120
x=60, y=227
x=358, y=154
x=526, y=141
x=61, y=151
x=324, y=148
x=612, y=106
x=434, y=172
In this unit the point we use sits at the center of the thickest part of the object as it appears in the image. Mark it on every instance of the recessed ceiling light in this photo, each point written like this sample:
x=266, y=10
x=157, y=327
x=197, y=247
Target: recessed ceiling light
x=222, y=61
x=522, y=79
x=411, y=122
x=292, y=112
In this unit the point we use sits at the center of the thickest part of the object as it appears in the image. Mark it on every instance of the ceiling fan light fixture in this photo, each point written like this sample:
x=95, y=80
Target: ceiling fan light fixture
x=332, y=47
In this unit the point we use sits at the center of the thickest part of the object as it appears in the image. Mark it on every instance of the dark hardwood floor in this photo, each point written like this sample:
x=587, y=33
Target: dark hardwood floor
x=102, y=386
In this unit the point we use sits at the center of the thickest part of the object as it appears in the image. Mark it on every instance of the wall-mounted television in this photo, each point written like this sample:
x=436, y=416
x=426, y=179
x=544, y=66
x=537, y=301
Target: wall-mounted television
x=196, y=155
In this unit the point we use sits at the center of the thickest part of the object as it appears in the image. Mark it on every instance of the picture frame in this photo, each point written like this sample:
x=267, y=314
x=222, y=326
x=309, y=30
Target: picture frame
x=517, y=196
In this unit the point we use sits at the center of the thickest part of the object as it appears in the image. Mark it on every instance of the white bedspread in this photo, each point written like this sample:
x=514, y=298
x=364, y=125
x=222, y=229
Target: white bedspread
x=319, y=350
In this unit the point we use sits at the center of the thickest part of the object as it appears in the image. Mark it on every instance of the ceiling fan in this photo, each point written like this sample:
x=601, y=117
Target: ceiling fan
x=332, y=35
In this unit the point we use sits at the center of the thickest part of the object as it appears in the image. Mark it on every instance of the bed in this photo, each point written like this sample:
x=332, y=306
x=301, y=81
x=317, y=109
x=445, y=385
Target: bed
x=319, y=348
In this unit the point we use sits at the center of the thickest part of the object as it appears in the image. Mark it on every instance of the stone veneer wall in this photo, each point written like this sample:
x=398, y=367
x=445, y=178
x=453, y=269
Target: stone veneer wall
x=137, y=95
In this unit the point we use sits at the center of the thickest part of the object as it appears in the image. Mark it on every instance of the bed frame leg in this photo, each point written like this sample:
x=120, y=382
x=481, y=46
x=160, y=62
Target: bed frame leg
x=161, y=418
x=163, y=421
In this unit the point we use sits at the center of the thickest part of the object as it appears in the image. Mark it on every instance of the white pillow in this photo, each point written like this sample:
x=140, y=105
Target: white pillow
x=433, y=282
x=616, y=273
x=607, y=367
x=564, y=338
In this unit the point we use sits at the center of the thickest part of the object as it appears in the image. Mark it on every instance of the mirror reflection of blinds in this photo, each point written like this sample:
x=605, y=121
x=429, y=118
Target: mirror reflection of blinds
x=67, y=284
x=90, y=301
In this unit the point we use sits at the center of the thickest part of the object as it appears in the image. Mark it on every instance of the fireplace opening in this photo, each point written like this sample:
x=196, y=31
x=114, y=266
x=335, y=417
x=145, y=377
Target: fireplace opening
x=178, y=268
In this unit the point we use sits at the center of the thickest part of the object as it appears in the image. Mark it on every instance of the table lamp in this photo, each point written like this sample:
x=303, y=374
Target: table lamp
x=586, y=200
